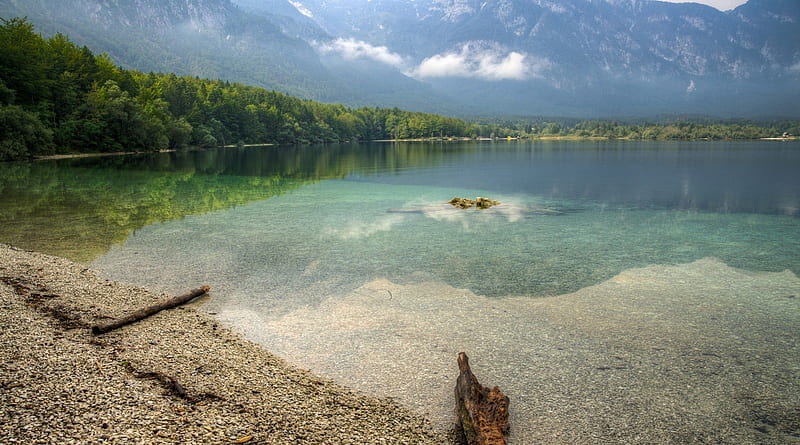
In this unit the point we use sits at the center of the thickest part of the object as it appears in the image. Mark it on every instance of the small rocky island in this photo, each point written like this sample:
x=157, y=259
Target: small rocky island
x=479, y=203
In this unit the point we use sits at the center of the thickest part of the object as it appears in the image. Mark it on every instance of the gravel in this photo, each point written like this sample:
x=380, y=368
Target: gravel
x=175, y=377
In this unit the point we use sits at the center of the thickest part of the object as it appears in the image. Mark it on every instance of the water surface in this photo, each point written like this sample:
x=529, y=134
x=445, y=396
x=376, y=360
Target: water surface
x=602, y=294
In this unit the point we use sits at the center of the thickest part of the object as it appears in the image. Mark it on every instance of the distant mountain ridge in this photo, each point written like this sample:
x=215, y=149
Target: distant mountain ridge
x=207, y=38
x=583, y=58
x=637, y=36
x=667, y=56
x=578, y=45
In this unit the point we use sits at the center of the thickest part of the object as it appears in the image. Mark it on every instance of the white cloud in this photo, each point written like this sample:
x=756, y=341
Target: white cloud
x=356, y=49
x=795, y=67
x=477, y=61
x=480, y=60
x=301, y=9
x=444, y=65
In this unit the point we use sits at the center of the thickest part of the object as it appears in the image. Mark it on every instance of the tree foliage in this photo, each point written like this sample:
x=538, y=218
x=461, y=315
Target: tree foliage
x=58, y=97
x=662, y=130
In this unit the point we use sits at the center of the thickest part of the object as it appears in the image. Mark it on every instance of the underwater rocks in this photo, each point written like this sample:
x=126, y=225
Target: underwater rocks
x=479, y=202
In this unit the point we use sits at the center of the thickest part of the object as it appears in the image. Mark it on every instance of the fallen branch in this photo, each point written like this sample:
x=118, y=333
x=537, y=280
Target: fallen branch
x=481, y=413
x=170, y=383
x=133, y=317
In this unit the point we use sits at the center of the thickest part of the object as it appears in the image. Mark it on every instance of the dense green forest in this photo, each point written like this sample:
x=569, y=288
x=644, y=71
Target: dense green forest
x=57, y=97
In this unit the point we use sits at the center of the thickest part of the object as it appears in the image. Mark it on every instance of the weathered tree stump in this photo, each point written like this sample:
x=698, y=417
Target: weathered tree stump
x=133, y=317
x=481, y=413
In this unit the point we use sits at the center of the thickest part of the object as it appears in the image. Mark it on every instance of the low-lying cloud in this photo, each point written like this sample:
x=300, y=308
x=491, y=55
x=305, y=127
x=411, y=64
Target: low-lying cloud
x=480, y=62
x=357, y=49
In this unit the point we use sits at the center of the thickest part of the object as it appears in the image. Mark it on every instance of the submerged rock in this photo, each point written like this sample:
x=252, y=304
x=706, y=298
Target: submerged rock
x=461, y=203
x=485, y=203
x=479, y=202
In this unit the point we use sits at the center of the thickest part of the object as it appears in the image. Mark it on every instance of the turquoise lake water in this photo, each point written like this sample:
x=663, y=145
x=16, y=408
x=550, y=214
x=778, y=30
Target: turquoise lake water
x=346, y=259
x=573, y=214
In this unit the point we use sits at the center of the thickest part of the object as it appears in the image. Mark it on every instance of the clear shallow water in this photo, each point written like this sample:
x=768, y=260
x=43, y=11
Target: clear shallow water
x=345, y=260
x=334, y=236
x=573, y=215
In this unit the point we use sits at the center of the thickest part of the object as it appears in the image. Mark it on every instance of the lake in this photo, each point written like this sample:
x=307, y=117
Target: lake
x=617, y=290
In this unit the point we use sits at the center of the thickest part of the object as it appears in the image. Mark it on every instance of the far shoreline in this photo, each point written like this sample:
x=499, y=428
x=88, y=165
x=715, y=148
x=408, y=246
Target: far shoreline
x=96, y=155
x=433, y=139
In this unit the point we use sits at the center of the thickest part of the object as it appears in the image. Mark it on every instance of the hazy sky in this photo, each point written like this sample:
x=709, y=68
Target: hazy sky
x=722, y=5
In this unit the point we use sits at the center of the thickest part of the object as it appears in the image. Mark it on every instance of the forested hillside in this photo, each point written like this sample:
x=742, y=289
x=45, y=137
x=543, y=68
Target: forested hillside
x=57, y=97
x=215, y=39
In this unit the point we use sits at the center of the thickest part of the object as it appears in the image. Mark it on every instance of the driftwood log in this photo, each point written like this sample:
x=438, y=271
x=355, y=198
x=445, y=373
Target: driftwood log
x=481, y=413
x=133, y=317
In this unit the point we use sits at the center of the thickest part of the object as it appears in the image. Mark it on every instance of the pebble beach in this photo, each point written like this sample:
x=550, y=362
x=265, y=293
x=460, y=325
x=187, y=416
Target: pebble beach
x=175, y=377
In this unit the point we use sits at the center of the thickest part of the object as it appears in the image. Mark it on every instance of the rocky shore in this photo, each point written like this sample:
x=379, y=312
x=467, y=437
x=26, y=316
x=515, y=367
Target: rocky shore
x=176, y=377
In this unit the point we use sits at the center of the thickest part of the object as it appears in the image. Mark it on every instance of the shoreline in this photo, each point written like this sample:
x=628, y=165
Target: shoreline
x=61, y=384
x=658, y=354
x=433, y=139
x=96, y=155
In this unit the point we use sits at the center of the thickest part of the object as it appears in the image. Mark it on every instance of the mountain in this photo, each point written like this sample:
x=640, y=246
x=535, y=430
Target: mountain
x=584, y=58
x=206, y=38
x=212, y=39
x=621, y=36
x=602, y=57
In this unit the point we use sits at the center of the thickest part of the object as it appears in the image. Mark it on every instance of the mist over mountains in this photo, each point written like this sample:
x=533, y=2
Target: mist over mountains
x=583, y=58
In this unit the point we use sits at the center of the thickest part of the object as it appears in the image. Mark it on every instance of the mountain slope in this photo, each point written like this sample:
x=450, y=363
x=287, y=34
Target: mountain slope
x=623, y=36
x=595, y=56
x=206, y=38
x=209, y=39
x=583, y=58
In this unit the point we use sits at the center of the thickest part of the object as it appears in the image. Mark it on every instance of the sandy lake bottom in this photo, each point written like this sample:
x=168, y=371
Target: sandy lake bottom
x=624, y=350
x=691, y=353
